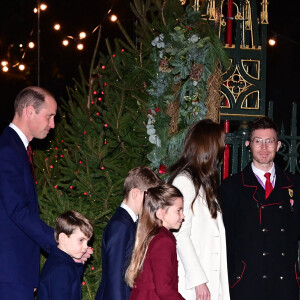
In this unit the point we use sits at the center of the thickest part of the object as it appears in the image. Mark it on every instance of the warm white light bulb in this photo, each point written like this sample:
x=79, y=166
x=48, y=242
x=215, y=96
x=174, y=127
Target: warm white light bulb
x=80, y=46
x=82, y=35
x=56, y=26
x=43, y=6
x=5, y=69
x=272, y=42
x=65, y=42
x=4, y=63
x=35, y=10
x=31, y=45
x=21, y=67
x=113, y=18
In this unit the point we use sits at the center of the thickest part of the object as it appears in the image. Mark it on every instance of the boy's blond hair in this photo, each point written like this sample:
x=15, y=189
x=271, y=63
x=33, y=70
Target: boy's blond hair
x=141, y=178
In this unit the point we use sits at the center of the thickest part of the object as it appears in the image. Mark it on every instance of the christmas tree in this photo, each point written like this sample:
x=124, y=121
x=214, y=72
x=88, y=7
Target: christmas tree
x=104, y=125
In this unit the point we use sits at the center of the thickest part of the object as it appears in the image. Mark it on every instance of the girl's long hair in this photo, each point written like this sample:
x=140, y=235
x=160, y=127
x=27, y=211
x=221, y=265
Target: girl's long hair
x=149, y=225
x=203, y=149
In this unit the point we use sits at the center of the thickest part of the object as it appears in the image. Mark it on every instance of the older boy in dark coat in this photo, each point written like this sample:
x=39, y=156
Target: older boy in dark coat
x=119, y=235
x=262, y=227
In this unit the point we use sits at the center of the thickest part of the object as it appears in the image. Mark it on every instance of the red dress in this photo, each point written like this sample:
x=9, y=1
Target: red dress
x=158, y=279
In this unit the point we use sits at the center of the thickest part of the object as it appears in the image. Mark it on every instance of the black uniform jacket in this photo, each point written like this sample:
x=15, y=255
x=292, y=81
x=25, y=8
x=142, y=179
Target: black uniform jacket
x=262, y=236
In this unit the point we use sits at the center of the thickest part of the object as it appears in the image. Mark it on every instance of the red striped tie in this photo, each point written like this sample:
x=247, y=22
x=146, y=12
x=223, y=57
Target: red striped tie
x=268, y=186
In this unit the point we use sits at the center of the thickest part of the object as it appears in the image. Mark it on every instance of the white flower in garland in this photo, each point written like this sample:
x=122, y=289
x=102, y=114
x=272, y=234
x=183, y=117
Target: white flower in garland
x=158, y=42
x=194, y=38
x=153, y=138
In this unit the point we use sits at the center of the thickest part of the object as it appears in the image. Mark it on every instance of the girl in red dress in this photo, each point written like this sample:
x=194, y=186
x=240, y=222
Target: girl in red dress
x=153, y=270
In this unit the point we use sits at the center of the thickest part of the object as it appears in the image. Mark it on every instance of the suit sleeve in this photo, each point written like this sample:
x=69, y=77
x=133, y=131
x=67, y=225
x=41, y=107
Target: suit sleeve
x=162, y=259
x=118, y=245
x=194, y=273
x=230, y=210
x=19, y=198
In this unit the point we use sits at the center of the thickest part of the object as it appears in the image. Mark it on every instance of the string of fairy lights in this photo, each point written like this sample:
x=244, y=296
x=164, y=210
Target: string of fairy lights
x=7, y=63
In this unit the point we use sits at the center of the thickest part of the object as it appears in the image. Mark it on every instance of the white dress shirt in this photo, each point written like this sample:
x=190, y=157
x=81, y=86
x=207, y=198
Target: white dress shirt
x=260, y=175
x=20, y=134
x=130, y=211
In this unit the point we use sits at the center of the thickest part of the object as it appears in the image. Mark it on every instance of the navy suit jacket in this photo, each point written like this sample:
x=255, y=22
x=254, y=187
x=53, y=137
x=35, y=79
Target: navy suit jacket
x=22, y=232
x=60, y=277
x=117, y=244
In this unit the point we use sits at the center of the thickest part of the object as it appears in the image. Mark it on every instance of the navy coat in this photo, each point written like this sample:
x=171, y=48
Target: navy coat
x=117, y=245
x=262, y=236
x=22, y=231
x=60, y=278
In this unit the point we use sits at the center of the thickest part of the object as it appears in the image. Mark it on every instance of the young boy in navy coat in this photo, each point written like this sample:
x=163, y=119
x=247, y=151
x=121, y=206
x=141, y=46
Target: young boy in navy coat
x=61, y=275
x=119, y=234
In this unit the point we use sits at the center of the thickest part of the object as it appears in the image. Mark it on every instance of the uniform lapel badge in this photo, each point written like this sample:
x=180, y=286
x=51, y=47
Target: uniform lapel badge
x=292, y=204
x=291, y=193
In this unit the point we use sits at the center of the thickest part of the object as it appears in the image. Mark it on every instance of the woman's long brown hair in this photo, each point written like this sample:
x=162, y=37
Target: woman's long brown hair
x=203, y=149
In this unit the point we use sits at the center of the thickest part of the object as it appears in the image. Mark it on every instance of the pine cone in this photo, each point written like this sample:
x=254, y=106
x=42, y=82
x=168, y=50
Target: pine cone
x=196, y=72
x=164, y=66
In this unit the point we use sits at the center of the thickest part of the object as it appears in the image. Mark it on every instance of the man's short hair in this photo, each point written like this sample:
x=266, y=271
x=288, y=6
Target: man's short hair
x=142, y=178
x=31, y=95
x=69, y=221
x=262, y=123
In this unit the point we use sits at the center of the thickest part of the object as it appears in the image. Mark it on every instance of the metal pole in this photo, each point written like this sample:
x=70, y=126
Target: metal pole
x=38, y=44
x=226, y=152
x=229, y=23
x=227, y=123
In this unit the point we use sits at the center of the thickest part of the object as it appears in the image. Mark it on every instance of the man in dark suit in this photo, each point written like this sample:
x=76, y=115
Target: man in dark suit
x=22, y=231
x=261, y=212
x=119, y=234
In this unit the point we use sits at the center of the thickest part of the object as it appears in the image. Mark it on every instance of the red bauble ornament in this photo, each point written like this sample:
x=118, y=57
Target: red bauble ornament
x=162, y=169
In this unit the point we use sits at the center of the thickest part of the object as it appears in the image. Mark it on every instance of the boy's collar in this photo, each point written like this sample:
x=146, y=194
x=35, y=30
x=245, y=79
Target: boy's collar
x=130, y=211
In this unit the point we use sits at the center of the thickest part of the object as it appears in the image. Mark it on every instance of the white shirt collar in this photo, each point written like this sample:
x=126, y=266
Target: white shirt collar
x=20, y=134
x=130, y=211
x=261, y=174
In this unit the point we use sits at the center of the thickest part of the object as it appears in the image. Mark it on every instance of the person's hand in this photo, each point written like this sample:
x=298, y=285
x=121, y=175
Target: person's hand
x=202, y=292
x=85, y=256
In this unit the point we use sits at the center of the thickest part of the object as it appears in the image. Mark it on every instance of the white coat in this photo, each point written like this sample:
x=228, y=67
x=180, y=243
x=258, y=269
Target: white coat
x=201, y=246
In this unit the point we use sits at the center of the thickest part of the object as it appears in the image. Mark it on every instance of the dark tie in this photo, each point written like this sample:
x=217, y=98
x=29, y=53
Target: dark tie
x=268, y=186
x=30, y=158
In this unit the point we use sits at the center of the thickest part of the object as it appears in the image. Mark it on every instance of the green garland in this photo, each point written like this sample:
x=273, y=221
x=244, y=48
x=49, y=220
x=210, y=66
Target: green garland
x=186, y=55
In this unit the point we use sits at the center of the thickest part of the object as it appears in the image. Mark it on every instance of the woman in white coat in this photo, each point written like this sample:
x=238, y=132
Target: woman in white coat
x=201, y=244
